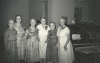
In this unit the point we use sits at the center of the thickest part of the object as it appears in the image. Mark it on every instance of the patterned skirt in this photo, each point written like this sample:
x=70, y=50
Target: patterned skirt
x=11, y=52
x=21, y=48
x=32, y=51
x=51, y=52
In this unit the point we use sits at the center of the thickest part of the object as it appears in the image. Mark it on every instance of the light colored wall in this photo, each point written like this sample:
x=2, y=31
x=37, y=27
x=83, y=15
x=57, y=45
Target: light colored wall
x=58, y=8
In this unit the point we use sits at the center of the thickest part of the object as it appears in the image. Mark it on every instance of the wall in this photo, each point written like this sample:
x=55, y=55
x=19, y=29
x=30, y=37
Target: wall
x=59, y=8
x=85, y=5
x=10, y=8
x=35, y=9
x=50, y=11
x=96, y=11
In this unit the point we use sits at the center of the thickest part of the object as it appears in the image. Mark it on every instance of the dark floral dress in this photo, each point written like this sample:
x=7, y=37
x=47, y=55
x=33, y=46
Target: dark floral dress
x=32, y=46
x=52, y=50
x=11, y=51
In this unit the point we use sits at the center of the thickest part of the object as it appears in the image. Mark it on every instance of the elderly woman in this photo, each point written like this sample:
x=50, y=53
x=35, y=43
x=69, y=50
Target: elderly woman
x=20, y=37
x=32, y=45
x=52, y=40
x=10, y=41
x=43, y=32
x=65, y=53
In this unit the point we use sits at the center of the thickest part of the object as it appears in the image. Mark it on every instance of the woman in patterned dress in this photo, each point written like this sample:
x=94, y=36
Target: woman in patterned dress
x=65, y=53
x=52, y=40
x=20, y=37
x=10, y=41
x=32, y=47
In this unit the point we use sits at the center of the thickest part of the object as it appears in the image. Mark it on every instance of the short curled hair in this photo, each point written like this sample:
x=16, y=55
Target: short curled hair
x=53, y=23
x=18, y=15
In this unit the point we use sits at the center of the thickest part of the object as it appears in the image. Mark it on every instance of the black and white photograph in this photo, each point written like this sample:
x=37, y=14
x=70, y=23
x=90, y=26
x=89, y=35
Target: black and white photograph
x=49, y=31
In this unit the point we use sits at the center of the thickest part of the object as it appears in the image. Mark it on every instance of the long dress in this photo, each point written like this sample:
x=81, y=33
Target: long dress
x=43, y=32
x=32, y=47
x=20, y=42
x=52, y=50
x=64, y=56
x=11, y=51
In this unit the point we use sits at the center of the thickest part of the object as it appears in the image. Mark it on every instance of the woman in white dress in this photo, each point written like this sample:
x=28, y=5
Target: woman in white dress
x=43, y=32
x=65, y=52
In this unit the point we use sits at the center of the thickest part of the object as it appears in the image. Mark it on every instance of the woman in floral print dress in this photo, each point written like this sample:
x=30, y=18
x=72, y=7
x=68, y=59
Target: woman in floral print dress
x=32, y=45
x=52, y=40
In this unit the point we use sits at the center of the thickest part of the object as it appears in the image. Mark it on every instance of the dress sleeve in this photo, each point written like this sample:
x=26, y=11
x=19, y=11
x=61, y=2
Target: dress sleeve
x=67, y=31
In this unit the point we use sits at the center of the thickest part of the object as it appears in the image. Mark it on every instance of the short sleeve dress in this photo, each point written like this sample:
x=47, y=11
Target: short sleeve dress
x=64, y=56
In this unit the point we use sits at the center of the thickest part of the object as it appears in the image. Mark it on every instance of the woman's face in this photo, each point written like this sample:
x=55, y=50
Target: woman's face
x=33, y=22
x=52, y=26
x=18, y=19
x=62, y=22
x=11, y=24
x=43, y=21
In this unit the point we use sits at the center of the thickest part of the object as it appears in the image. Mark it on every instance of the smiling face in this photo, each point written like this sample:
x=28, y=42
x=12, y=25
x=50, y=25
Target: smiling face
x=62, y=22
x=18, y=19
x=52, y=26
x=43, y=21
x=11, y=24
x=33, y=22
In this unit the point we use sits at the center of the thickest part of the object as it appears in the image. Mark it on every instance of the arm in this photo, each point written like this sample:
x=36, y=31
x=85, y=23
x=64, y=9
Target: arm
x=48, y=28
x=26, y=34
x=37, y=27
x=5, y=38
x=58, y=37
x=37, y=34
x=48, y=36
x=15, y=27
x=57, y=32
x=68, y=35
x=68, y=38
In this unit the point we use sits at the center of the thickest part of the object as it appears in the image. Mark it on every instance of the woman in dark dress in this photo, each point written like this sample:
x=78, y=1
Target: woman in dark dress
x=11, y=51
x=52, y=40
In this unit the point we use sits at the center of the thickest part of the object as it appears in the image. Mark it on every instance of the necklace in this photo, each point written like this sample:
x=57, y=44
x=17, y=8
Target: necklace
x=62, y=27
x=32, y=29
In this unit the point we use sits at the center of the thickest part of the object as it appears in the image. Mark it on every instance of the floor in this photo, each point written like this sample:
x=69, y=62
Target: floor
x=87, y=58
x=79, y=56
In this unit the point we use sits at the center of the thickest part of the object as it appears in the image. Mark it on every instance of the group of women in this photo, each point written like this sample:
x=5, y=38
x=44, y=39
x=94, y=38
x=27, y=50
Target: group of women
x=38, y=43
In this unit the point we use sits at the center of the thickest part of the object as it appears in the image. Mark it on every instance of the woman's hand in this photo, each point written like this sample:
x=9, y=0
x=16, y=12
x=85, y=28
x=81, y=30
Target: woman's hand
x=46, y=41
x=65, y=47
x=57, y=45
